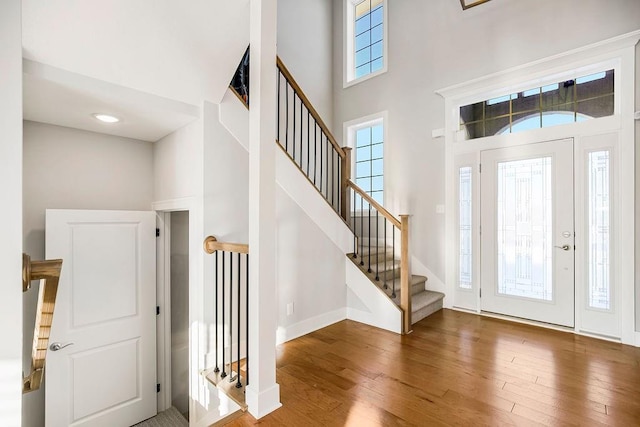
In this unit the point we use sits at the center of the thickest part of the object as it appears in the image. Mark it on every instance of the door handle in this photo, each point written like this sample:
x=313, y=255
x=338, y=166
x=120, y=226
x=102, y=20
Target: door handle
x=563, y=247
x=57, y=346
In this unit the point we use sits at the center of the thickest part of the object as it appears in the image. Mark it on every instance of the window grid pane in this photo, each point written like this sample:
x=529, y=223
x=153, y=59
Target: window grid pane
x=369, y=162
x=599, y=231
x=464, y=226
x=369, y=34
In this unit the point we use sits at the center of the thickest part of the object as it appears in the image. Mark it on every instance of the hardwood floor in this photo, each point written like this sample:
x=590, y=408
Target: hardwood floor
x=454, y=369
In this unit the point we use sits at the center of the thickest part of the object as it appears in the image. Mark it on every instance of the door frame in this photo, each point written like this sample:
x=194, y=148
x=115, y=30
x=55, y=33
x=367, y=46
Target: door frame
x=617, y=53
x=163, y=211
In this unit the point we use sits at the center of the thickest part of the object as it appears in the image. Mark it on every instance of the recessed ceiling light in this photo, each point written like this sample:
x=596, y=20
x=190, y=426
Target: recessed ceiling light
x=106, y=118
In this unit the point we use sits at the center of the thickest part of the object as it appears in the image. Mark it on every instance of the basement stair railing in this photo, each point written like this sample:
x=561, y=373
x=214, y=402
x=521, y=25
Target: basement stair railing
x=231, y=314
x=48, y=272
x=306, y=139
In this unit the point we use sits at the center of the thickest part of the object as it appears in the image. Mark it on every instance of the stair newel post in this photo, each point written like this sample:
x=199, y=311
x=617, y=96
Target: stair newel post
x=344, y=184
x=405, y=292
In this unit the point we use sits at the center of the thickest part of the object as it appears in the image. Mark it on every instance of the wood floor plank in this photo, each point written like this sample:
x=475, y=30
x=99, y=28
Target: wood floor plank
x=454, y=369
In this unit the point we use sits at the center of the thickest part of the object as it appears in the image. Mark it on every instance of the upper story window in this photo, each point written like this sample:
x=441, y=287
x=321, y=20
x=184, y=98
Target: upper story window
x=365, y=39
x=367, y=140
x=569, y=101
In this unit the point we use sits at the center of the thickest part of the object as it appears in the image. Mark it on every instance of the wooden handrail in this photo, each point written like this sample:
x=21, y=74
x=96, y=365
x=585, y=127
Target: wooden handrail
x=49, y=271
x=309, y=106
x=395, y=221
x=212, y=245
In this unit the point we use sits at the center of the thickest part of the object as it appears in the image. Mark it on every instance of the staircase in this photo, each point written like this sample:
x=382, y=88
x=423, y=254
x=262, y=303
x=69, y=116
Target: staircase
x=303, y=136
x=385, y=274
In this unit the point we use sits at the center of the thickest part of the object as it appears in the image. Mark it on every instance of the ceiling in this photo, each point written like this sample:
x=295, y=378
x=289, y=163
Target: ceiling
x=150, y=62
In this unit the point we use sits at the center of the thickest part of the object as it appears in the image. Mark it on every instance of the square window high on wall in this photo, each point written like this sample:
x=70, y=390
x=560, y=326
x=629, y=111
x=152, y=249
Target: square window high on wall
x=365, y=39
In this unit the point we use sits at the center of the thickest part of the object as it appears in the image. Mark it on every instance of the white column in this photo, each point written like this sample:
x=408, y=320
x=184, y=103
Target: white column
x=263, y=393
x=11, y=223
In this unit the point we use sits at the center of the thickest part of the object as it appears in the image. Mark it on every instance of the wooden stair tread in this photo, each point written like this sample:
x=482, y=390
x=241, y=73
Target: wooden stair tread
x=229, y=388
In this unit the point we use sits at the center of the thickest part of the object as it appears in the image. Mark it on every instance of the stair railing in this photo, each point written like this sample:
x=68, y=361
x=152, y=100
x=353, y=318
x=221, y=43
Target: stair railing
x=307, y=140
x=372, y=223
x=231, y=312
x=48, y=272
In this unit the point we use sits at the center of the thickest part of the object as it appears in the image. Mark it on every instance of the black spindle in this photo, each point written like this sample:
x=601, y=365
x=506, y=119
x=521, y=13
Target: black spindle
x=278, y=106
x=377, y=248
x=315, y=151
x=308, y=139
x=246, y=381
x=369, y=233
x=231, y=316
x=238, y=383
x=353, y=224
x=286, y=117
x=217, y=325
x=320, y=160
x=224, y=336
x=301, y=121
x=385, y=254
x=294, y=125
x=393, y=271
x=361, y=229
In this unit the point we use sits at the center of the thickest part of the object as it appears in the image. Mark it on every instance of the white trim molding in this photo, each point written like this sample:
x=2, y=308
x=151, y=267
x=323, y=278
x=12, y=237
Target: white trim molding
x=616, y=53
x=288, y=333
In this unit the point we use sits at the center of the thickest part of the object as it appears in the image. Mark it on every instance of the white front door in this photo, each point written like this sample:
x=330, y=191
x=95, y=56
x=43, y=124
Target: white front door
x=105, y=372
x=527, y=232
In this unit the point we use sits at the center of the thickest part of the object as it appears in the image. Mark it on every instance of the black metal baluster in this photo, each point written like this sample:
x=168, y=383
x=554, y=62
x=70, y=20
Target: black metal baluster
x=286, y=117
x=308, y=139
x=326, y=175
x=340, y=189
x=377, y=248
x=231, y=317
x=369, y=233
x=315, y=151
x=246, y=381
x=238, y=383
x=386, y=273
x=278, y=106
x=393, y=271
x=224, y=336
x=361, y=229
x=294, y=125
x=321, y=160
x=354, y=225
x=217, y=325
x=301, y=121
x=333, y=171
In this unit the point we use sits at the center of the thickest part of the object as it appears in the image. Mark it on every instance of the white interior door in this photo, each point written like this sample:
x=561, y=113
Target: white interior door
x=527, y=226
x=105, y=374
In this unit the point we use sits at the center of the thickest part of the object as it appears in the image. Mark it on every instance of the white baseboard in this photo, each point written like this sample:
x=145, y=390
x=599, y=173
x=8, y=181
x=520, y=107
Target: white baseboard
x=368, y=318
x=637, y=343
x=306, y=326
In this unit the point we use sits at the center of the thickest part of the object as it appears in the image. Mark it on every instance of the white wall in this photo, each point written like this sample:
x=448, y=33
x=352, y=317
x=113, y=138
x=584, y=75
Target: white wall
x=67, y=168
x=11, y=224
x=310, y=272
x=177, y=164
x=434, y=44
x=305, y=46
